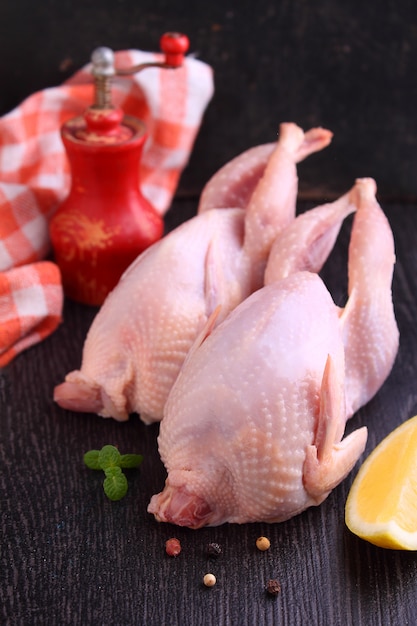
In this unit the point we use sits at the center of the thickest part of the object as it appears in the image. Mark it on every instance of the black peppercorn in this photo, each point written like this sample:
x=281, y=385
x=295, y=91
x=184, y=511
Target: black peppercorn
x=214, y=550
x=273, y=587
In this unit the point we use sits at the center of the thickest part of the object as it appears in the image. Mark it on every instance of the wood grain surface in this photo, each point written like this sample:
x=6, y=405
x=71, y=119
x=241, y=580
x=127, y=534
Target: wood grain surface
x=71, y=557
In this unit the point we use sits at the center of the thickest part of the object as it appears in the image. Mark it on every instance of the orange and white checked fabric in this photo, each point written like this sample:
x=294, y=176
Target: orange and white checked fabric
x=35, y=176
x=30, y=306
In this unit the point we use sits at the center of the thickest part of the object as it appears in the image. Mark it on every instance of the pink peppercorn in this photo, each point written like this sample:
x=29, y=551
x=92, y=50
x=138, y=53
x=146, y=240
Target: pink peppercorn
x=173, y=547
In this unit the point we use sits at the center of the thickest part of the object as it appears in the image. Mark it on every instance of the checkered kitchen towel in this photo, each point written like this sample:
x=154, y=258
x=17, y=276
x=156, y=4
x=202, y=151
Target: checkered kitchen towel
x=35, y=177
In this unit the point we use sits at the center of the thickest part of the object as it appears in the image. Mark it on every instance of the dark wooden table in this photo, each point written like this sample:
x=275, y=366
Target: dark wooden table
x=70, y=556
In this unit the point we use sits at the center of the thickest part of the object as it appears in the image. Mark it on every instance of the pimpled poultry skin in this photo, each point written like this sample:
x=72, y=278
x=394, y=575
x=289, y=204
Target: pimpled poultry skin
x=234, y=183
x=141, y=335
x=253, y=427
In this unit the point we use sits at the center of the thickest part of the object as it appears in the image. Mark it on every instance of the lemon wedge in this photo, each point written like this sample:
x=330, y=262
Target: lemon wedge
x=382, y=503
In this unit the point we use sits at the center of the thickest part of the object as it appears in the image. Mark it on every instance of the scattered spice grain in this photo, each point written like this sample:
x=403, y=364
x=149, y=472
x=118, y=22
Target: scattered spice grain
x=273, y=587
x=214, y=550
x=263, y=543
x=173, y=547
x=209, y=580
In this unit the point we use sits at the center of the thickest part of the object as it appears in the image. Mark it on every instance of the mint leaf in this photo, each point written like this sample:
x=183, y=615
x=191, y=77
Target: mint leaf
x=111, y=462
x=115, y=483
x=91, y=459
x=109, y=456
x=130, y=460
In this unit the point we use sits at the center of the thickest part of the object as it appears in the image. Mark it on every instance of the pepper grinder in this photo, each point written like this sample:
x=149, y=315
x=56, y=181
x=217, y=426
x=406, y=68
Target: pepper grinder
x=105, y=222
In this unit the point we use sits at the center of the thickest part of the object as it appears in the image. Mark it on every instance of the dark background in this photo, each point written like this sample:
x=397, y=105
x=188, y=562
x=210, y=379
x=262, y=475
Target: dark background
x=349, y=66
x=70, y=557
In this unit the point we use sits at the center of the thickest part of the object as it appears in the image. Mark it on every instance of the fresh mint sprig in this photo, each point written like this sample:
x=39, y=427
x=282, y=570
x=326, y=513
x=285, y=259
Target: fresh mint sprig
x=111, y=462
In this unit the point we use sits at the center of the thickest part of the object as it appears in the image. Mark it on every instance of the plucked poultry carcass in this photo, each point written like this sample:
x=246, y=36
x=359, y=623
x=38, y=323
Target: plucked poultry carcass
x=253, y=427
x=141, y=335
x=234, y=183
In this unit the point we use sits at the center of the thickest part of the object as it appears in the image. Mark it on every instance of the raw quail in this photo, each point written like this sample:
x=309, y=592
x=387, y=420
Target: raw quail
x=253, y=427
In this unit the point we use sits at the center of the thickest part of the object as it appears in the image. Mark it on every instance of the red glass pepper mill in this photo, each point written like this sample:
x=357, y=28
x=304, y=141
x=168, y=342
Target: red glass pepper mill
x=106, y=222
